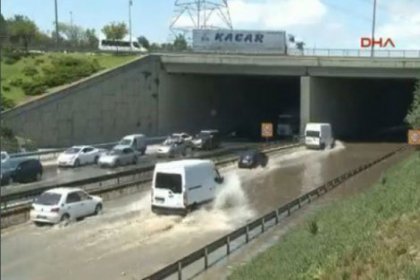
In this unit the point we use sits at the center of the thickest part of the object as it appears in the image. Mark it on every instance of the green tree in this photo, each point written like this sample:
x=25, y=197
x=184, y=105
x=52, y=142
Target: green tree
x=115, y=31
x=180, y=43
x=74, y=34
x=143, y=42
x=413, y=116
x=21, y=30
x=43, y=40
x=155, y=47
x=91, y=39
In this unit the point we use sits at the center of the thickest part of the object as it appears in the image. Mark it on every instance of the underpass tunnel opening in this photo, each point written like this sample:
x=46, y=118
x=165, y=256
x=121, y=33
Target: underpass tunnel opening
x=236, y=104
x=362, y=109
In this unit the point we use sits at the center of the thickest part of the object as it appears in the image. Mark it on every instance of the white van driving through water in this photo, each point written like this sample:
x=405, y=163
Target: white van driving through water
x=318, y=136
x=181, y=186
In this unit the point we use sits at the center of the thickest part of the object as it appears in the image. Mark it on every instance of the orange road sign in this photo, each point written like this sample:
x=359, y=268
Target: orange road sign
x=266, y=130
x=414, y=137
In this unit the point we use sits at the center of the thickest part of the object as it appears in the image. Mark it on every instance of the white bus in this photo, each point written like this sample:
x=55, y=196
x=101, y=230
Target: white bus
x=120, y=46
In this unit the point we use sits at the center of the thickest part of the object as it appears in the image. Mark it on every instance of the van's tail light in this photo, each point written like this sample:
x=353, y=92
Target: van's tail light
x=55, y=210
x=185, y=198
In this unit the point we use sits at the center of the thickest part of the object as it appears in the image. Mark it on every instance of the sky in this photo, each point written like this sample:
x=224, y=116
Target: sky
x=337, y=24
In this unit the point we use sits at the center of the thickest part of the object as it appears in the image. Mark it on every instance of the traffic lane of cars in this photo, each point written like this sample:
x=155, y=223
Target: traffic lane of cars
x=68, y=175
x=54, y=175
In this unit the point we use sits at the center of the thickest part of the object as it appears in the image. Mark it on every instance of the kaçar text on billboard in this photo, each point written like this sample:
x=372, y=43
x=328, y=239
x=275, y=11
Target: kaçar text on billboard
x=245, y=41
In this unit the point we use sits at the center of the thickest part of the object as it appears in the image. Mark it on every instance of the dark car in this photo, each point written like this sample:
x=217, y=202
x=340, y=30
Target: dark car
x=4, y=177
x=207, y=140
x=252, y=159
x=26, y=171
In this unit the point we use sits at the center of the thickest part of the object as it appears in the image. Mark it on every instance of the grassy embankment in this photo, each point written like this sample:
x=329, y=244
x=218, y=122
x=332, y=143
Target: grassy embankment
x=14, y=72
x=375, y=235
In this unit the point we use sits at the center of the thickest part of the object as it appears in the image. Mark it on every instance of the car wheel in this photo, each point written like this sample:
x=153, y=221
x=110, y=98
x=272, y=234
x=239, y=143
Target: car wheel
x=143, y=152
x=135, y=160
x=117, y=163
x=77, y=163
x=65, y=219
x=323, y=146
x=98, y=209
x=264, y=163
x=38, y=176
x=96, y=160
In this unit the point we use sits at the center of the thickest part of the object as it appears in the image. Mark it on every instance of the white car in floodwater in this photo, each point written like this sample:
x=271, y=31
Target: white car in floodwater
x=79, y=155
x=64, y=204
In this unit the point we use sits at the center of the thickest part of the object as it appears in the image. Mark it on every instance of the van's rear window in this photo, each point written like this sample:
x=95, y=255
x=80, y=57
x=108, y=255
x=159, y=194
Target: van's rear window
x=311, y=133
x=168, y=181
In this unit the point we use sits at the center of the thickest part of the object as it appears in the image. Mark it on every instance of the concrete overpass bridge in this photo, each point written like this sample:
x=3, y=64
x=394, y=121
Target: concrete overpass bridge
x=162, y=93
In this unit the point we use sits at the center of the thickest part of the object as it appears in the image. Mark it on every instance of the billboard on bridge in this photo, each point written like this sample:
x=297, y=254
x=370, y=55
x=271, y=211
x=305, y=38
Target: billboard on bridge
x=239, y=41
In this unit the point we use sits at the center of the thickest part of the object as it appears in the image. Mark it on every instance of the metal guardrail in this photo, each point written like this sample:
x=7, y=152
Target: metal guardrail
x=357, y=53
x=247, y=232
x=322, y=52
x=136, y=177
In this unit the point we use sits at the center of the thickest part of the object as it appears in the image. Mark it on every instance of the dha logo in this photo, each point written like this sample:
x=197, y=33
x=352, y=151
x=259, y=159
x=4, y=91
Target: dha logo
x=366, y=42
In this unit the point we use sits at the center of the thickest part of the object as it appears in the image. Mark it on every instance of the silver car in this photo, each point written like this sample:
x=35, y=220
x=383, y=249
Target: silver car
x=117, y=157
x=174, y=146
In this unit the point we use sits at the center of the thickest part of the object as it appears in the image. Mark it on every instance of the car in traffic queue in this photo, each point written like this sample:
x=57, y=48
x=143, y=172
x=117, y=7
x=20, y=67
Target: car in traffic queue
x=79, y=155
x=25, y=171
x=185, y=136
x=64, y=204
x=174, y=146
x=118, y=157
x=207, y=140
x=252, y=159
x=136, y=141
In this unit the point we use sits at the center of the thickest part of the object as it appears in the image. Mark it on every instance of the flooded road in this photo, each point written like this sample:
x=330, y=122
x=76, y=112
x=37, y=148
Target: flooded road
x=129, y=242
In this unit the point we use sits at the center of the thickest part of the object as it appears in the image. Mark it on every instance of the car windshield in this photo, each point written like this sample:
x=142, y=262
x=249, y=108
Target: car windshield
x=312, y=133
x=48, y=198
x=125, y=142
x=169, y=181
x=72, y=151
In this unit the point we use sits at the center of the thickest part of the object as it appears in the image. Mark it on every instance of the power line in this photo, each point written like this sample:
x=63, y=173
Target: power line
x=56, y=23
x=373, y=26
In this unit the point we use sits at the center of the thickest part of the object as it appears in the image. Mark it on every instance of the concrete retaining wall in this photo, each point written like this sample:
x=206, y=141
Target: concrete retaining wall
x=98, y=109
